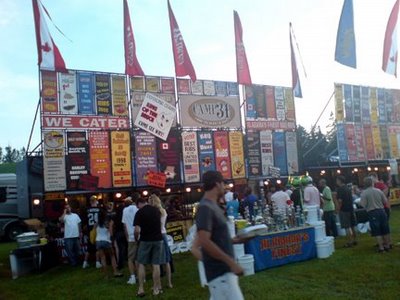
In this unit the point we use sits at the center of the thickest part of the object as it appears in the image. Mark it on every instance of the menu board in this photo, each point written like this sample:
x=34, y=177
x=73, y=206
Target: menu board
x=77, y=159
x=253, y=153
x=146, y=156
x=267, y=154
x=85, y=94
x=54, y=161
x=100, y=161
x=103, y=94
x=68, y=93
x=206, y=152
x=190, y=155
x=222, y=156
x=169, y=157
x=49, y=92
x=279, y=146
x=121, y=158
x=119, y=99
x=237, y=154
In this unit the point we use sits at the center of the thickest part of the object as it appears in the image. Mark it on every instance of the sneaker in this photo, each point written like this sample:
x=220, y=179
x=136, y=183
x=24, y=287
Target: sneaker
x=98, y=265
x=132, y=280
x=85, y=265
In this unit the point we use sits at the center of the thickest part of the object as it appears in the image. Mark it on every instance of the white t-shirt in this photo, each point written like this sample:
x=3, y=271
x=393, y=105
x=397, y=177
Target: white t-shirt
x=128, y=215
x=71, y=225
x=228, y=196
x=103, y=234
x=311, y=195
x=280, y=199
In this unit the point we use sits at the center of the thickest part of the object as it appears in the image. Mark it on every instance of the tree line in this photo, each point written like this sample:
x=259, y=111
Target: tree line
x=9, y=154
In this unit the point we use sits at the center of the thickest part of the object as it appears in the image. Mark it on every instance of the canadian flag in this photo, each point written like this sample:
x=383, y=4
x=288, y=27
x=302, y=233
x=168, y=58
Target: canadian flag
x=390, y=51
x=49, y=57
x=183, y=64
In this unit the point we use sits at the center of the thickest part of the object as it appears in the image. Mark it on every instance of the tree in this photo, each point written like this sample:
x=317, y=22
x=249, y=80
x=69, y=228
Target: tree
x=11, y=154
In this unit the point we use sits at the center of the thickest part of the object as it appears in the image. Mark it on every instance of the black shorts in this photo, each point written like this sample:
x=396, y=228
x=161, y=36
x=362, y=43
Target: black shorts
x=378, y=222
x=347, y=219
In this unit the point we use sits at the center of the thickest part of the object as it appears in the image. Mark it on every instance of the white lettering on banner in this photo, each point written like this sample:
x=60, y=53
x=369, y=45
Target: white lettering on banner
x=92, y=122
x=179, y=46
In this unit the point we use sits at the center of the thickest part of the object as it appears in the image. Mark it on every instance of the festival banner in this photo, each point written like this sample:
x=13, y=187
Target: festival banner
x=373, y=100
x=381, y=106
x=49, y=92
x=369, y=142
x=137, y=83
x=156, y=116
x=54, y=161
x=394, y=132
x=279, y=146
x=84, y=122
x=267, y=154
x=251, y=112
x=222, y=156
x=77, y=158
x=156, y=179
x=120, y=105
x=339, y=109
x=351, y=143
x=356, y=104
x=197, y=87
x=220, y=88
x=206, y=152
x=121, y=158
x=237, y=154
x=291, y=152
x=359, y=140
x=261, y=105
x=153, y=84
x=210, y=112
x=167, y=85
x=366, y=118
x=376, y=136
x=341, y=141
x=384, y=141
x=389, y=106
x=396, y=105
x=191, y=167
x=169, y=157
x=270, y=98
x=280, y=104
x=68, y=93
x=146, y=156
x=183, y=86
x=86, y=105
x=289, y=103
x=348, y=103
x=100, y=161
x=103, y=94
x=209, y=88
x=270, y=125
x=233, y=89
x=253, y=153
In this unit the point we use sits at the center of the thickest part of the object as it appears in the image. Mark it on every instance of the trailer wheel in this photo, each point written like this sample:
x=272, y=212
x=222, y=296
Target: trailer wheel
x=13, y=230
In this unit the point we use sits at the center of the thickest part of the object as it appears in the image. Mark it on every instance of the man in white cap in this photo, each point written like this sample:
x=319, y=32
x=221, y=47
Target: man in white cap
x=128, y=216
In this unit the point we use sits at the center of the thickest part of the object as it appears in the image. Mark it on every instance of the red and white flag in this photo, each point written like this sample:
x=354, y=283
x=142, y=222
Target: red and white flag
x=49, y=57
x=132, y=66
x=295, y=74
x=242, y=66
x=390, y=50
x=183, y=64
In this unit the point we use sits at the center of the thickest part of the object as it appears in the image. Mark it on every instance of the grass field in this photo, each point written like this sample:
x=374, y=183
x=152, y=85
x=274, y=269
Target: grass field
x=354, y=273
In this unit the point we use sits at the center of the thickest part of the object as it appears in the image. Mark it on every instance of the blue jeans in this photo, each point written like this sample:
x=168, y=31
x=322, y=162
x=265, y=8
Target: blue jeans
x=73, y=249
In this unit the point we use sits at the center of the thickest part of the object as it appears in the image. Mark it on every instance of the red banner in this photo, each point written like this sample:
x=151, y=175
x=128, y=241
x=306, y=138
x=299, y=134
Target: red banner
x=369, y=142
x=351, y=143
x=242, y=66
x=84, y=122
x=49, y=92
x=222, y=157
x=270, y=125
x=157, y=179
x=100, y=162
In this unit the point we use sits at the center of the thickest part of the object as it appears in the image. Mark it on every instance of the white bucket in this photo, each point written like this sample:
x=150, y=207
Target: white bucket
x=319, y=228
x=238, y=250
x=341, y=231
x=323, y=248
x=247, y=263
x=331, y=240
x=312, y=213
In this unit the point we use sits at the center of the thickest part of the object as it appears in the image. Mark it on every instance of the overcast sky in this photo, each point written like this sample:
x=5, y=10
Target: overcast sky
x=95, y=28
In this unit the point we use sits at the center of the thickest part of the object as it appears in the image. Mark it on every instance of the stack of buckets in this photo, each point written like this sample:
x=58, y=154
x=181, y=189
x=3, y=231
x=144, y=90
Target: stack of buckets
x=325, y=244
x=246, y=261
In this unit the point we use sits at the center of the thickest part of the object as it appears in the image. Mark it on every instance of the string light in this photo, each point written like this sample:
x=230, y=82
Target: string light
x=188, y=190
x=36, y=201
x=118, y=195
x=168, y=190
x=145, y=193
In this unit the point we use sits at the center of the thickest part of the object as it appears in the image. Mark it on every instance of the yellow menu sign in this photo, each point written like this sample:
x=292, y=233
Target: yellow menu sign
x=121, y=158
x=237, y=154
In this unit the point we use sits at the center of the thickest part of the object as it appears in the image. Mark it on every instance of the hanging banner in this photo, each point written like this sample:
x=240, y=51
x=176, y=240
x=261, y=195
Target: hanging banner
x=221, y=150
x=289, y=103
x=291, y=151
x=183, y=86
x=85, y=94
x=100, y=162
x=356, y=104
x=197, y=87
x=341, y=141
x=373, y=100
x=280, y=152
x=253, y=153
x=339, y=110
x=84, y=122
x=210, y=112
x=389, y=106
x=190, y=155
x=121, y=158
x=103, y=94
x=206, y=152
x=68, y=93
x=146, y=156
x=251, y=112
x=261, y=105
x=49, y=92
x=54, y=161
x=348, y=103
x=267, y=154
x=119, y=98
x=153, y=84
x=270, y=98
x=233, y=89
x=270, y=125
x=369, y=142
x=394, y=132
x=381, y=106
x=376, y=136
x=169, y=157
x=137, y=83
x=396, y=105
x=384, y=141
x=220, y=88
x=77, y=158
x=209, y=88
x=237, y=154
x=156, y=116
x=351, y=143
x=167, y=85
x=280, y=104
x=359, y=140
x=366, y=118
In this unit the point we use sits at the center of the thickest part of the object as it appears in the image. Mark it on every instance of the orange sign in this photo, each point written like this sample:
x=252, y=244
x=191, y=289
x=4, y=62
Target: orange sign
x=157, y=179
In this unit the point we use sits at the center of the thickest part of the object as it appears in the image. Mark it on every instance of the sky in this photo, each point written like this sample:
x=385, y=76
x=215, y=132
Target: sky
x=95, y=28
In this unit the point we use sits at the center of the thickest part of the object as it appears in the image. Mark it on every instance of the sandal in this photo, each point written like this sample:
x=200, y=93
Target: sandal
x=140, y=295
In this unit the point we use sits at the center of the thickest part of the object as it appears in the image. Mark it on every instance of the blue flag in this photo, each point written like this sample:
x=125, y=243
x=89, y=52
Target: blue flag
x=345, y=41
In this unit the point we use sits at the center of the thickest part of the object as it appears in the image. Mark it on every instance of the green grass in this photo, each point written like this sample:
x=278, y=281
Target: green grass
x=355, y=273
